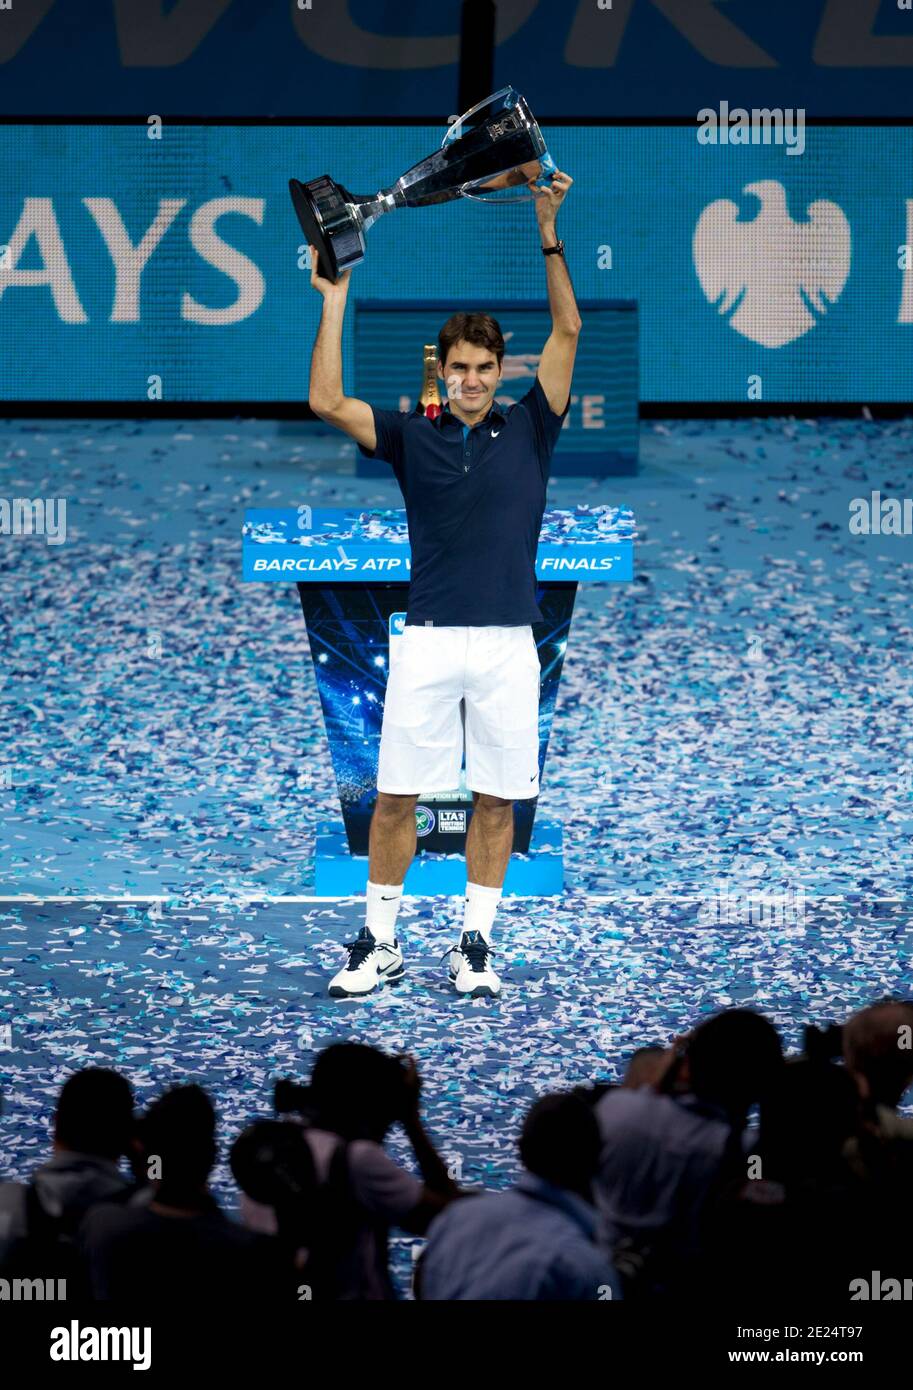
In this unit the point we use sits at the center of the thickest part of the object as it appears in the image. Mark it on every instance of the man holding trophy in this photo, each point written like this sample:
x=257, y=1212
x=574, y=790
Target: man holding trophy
x=473, y=480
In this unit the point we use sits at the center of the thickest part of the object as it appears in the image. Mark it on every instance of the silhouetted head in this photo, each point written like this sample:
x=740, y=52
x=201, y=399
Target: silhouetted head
x=560, y=1141
x=806, y=1121
x=734, y=1059
x=878, y=1049
x=179, y=1131
x=95, y=1113
x=357, y=1091
x=645, y=1066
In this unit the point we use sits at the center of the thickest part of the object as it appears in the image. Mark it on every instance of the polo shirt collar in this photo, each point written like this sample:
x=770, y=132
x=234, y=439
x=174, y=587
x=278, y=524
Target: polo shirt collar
x=579, y=1211
x=495, y=413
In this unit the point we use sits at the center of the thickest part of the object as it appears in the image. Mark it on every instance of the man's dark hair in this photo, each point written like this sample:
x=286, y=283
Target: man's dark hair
x=734, y=1059
x=357, y=1091
x=95, y=1113
x=479, y=329
x=180, y=1129
x=560, y=1141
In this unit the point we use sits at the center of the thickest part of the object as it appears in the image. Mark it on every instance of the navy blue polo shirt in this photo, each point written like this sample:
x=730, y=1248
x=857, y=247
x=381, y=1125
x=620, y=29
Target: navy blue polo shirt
x=474, y=502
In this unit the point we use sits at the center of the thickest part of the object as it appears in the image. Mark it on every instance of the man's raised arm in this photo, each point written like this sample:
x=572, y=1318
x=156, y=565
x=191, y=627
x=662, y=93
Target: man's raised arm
x=556, y=365
x=325, y=394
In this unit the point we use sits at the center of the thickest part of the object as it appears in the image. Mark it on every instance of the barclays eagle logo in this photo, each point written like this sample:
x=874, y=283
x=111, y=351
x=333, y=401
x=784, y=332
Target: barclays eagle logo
x=773, y=271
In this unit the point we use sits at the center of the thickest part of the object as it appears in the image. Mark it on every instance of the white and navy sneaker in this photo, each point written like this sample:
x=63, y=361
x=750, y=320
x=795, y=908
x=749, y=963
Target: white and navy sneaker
x=371, y=964
x=469, y=970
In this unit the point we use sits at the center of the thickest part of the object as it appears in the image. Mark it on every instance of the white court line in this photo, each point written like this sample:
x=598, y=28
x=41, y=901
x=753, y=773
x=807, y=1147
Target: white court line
x=157, y=898
x=242, y=900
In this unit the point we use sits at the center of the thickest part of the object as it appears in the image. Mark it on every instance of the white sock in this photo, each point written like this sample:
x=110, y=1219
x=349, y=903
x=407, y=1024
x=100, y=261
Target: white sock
x=479, y=908
x=383, y=902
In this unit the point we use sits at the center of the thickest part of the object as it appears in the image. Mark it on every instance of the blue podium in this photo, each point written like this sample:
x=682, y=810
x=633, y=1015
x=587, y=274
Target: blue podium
x=351, y=569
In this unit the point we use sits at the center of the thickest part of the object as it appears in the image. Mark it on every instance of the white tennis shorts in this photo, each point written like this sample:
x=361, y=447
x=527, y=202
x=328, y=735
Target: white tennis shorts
x=445, y=683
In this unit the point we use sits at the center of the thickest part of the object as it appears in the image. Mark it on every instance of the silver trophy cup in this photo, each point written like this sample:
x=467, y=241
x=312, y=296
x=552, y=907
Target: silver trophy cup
x=496, y=145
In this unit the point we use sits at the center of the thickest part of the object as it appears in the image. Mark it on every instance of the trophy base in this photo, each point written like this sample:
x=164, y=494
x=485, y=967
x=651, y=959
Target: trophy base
x=326, y=220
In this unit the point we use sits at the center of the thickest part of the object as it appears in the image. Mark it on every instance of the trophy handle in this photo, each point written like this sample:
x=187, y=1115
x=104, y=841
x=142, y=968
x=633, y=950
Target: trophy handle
x=523, y=197
x=511, y=178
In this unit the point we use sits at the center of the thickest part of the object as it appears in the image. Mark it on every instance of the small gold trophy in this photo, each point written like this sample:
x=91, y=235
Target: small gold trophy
x=429, y=402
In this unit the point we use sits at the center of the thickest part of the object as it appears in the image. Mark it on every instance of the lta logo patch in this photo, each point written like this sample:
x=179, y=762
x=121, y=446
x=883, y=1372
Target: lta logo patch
x=774, y=272
x=424, y=820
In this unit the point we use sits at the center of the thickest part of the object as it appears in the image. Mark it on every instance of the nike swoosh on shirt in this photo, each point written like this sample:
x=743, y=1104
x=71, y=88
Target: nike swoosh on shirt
x=495, y=433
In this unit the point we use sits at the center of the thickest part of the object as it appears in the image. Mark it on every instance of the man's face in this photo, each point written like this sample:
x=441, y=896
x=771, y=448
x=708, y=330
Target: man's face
x=471, y=375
